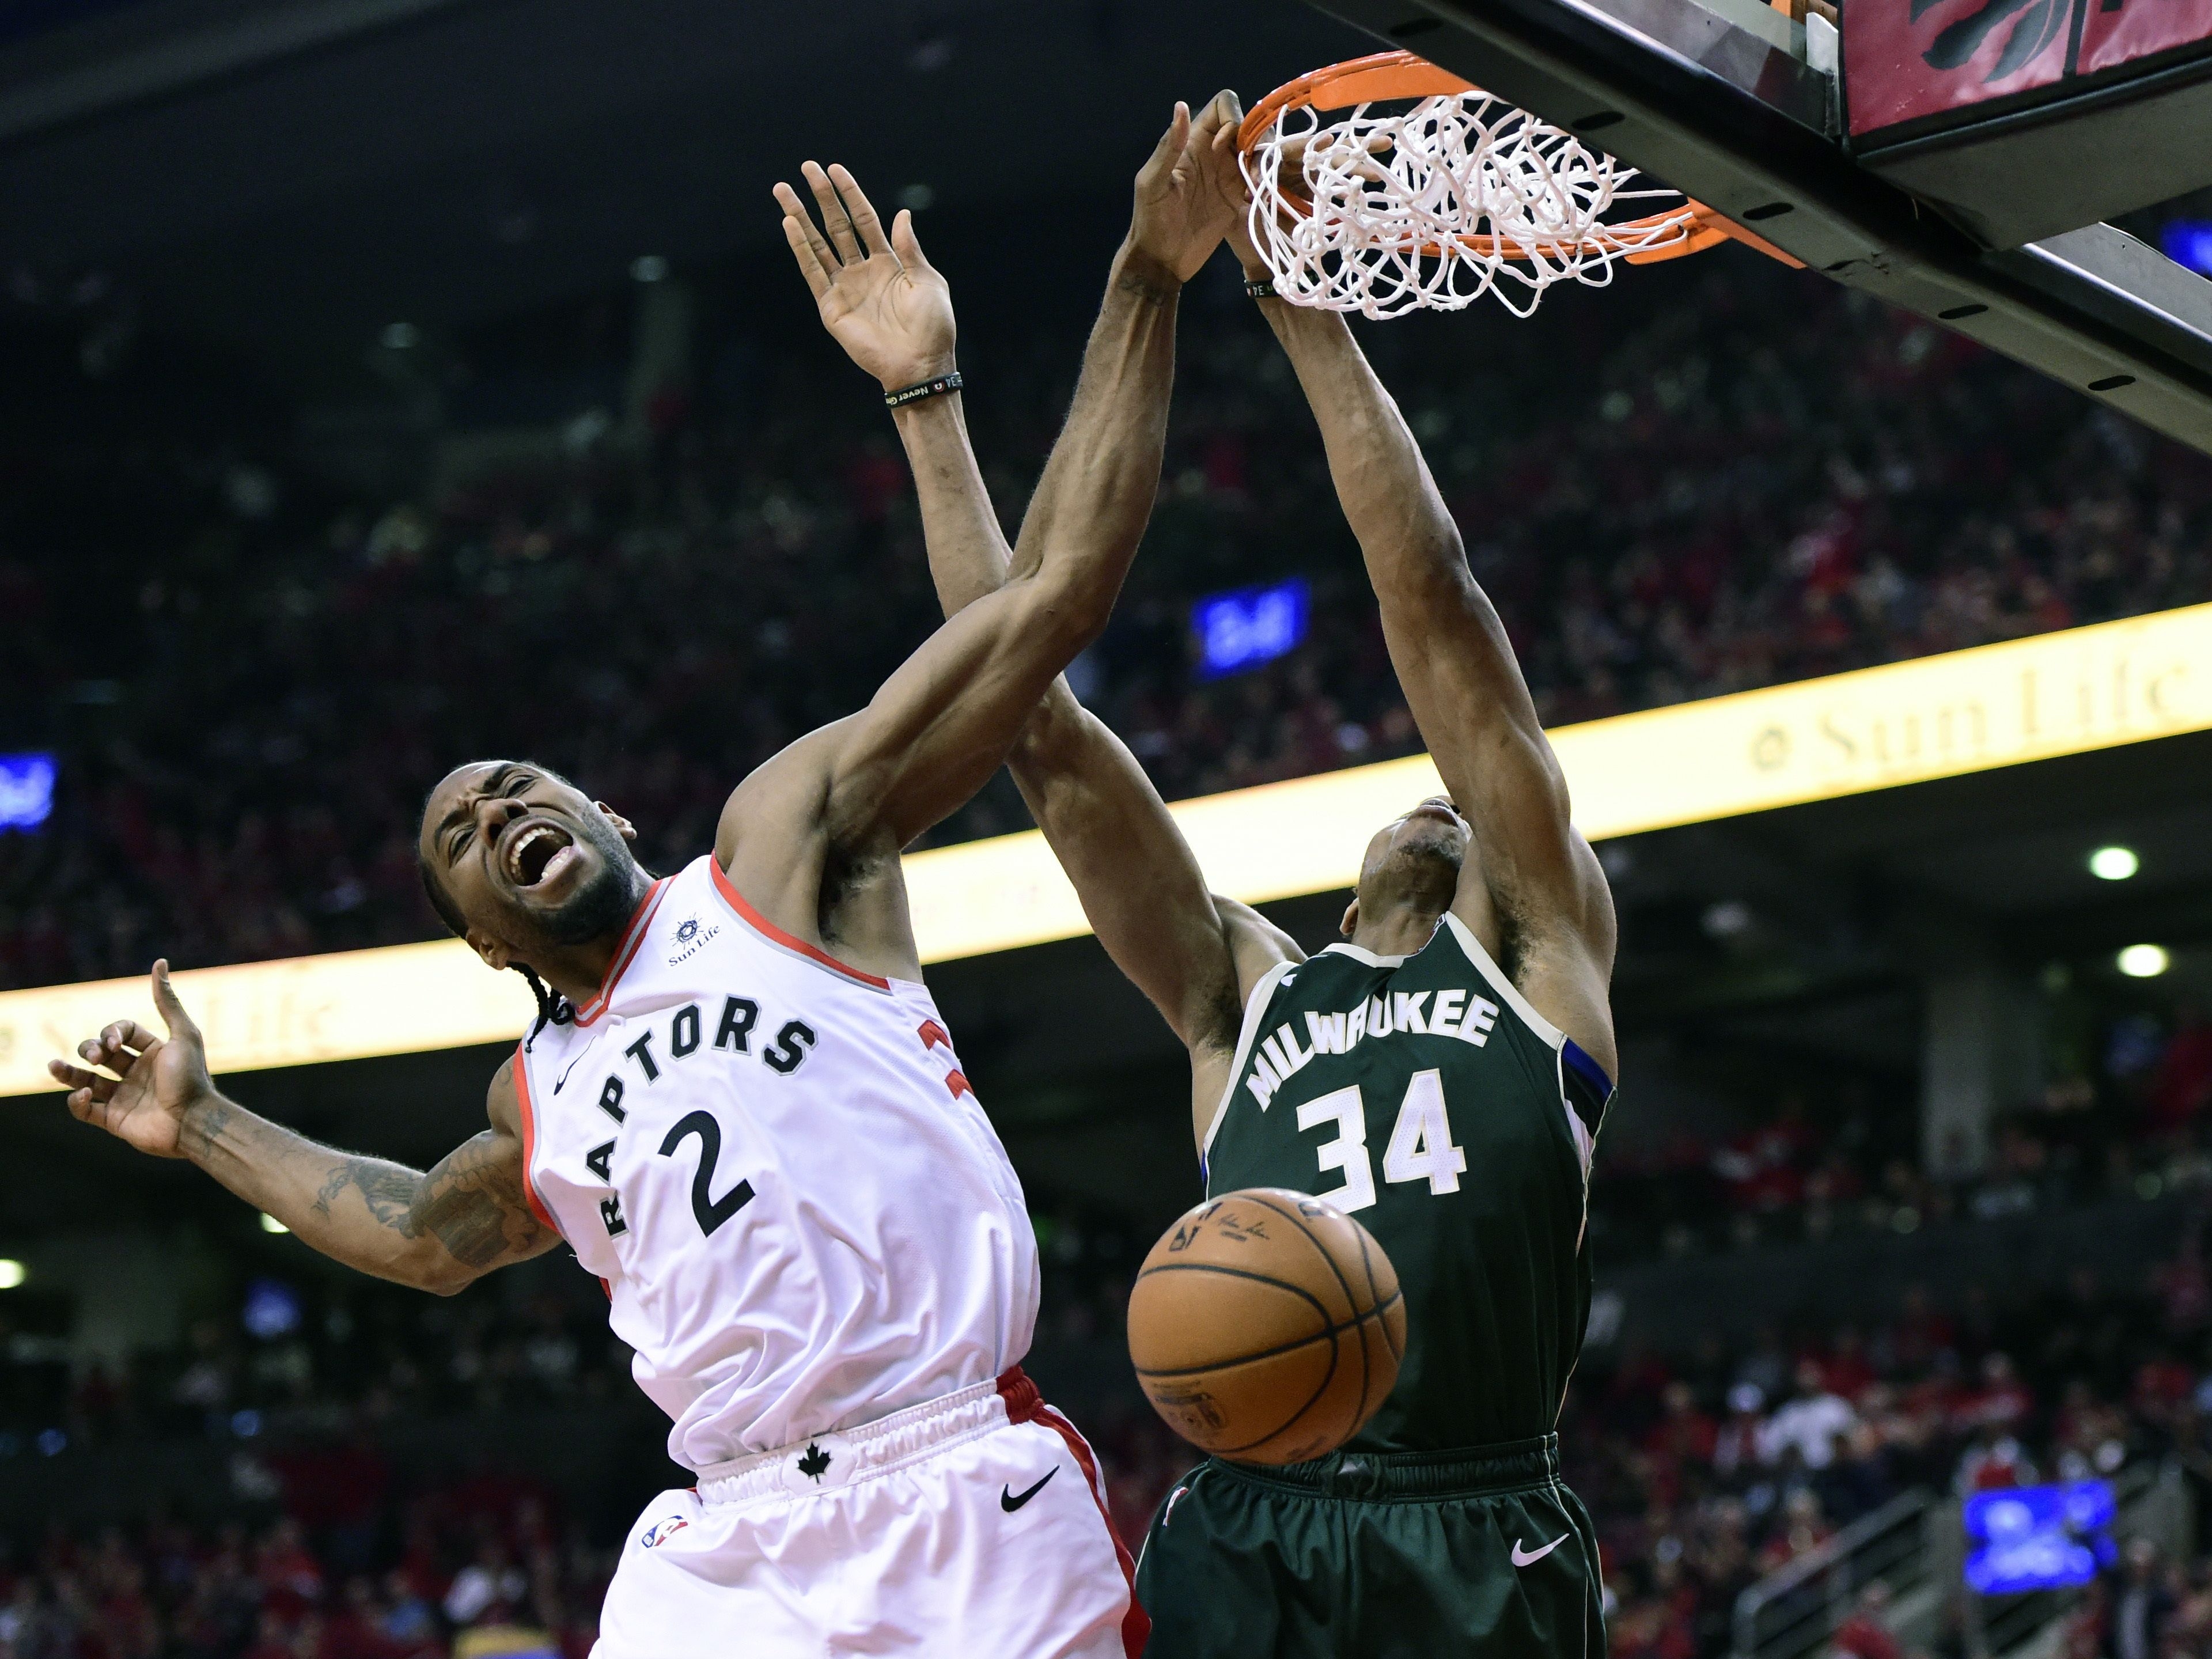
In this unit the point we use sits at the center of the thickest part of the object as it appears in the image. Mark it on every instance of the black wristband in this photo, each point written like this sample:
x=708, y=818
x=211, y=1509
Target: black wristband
x=917, y=392
x=1261, y=290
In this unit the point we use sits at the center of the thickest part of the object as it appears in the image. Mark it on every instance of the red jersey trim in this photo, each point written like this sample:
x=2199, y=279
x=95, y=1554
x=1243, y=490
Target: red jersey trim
x=1025, y=1404
x=632, y=938
x=760, y=924
x=530, y=1141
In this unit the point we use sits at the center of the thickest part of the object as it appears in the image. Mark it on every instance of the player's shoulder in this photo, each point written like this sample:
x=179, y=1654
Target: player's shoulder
x=1549, y=970
x=781, y=801
x=1259, y=952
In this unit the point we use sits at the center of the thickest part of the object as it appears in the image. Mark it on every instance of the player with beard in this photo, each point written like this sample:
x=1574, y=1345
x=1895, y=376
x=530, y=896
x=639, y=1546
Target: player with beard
x=739, y=1105
x=1440, y=1071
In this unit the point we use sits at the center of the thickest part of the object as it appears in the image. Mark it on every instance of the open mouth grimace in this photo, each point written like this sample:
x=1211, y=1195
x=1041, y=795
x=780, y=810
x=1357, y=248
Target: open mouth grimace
x=537, y=852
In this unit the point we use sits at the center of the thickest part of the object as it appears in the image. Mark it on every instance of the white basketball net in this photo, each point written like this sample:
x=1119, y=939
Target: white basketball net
x=1460, y=196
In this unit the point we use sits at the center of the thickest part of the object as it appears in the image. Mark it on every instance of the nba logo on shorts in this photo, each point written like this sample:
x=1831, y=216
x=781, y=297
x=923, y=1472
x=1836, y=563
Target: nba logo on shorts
x=661, y=1531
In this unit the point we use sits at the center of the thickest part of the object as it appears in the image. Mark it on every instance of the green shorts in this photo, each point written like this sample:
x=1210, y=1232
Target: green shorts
x=1362, y=1556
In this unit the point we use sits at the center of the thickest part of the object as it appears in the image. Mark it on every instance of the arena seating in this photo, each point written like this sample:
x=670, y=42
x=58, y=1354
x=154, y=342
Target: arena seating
x=251, y=675
x=1759, y=479
x=1704, y=1470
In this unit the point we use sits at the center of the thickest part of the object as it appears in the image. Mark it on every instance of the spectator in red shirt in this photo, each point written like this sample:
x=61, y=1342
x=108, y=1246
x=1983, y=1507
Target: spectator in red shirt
x=1846, y=1369
x=1683, y=1433
x=291, y=1578
x=1764, y=1167
x=1803, y=1529
x=1993, y=1462
x=2001, y=1400
x=355, y=1630
x=1866, y=1634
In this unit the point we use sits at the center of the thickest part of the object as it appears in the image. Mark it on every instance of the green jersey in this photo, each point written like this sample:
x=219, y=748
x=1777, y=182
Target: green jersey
x=1423, y=1095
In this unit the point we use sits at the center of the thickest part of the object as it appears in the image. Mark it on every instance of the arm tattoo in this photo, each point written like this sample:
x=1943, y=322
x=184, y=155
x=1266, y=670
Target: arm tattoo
x=472, y=1202
x=203, y=1126
x=1148, y=290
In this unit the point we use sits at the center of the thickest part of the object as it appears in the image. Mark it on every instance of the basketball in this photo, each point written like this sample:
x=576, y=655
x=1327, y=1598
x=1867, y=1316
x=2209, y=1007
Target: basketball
x=1266, y=1327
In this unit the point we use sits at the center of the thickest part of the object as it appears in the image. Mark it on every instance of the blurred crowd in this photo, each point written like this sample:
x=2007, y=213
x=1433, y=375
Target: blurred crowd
x=372, y=1485
x=2157, y=1606
x=1744, y=476
x=1705, y=1469
x=304, y=1348
x=2130, y=1113
x=471, y=1569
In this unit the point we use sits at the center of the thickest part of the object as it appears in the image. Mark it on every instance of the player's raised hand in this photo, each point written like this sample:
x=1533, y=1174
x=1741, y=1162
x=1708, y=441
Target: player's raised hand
x=1179, y=221
x=1221, y=166
x=881, y=298
x=1221, y=174
x=157, y=1080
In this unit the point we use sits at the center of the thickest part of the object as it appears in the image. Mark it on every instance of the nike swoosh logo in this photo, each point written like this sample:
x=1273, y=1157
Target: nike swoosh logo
x=564, y=1076
x=1525, y=1557
x=1010, y=1500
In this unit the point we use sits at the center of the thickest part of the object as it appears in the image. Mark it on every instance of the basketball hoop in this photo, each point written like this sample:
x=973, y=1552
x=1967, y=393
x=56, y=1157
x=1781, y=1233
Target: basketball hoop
x=1460, y=195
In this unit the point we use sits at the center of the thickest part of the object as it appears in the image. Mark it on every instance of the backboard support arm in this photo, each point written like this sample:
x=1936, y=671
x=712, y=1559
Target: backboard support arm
x=1724, y=113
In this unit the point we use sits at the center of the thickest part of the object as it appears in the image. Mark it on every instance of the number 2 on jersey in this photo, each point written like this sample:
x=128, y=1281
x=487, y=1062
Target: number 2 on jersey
x=1420, y=1148
x=711, y=1210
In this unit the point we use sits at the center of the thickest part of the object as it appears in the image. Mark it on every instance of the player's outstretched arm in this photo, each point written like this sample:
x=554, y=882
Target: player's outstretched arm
x=1139, y=883
x=437, y=1231
x=1452, y=659
x=944, y=721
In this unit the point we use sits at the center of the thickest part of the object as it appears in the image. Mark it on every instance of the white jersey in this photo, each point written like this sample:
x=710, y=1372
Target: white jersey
x=803, y=1219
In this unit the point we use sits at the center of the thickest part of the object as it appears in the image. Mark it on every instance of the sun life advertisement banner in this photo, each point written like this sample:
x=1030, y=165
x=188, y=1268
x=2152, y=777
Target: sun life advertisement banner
x=2025, y=700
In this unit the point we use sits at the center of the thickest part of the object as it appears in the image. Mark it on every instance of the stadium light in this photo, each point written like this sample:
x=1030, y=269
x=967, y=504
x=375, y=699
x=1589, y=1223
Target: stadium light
x=648, y=268
x=2144, y=961
x=2189, y=242
x=2034, y=1538
x=26, y=790
x=269, y=1224
x=2114, y=863
x=1251, y=626
x=400, y=337
x=12, y=1272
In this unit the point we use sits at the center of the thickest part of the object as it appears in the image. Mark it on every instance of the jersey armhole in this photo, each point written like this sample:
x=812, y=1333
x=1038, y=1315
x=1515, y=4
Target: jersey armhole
x=1587, y=1091
x=1508, y=992
x=527, y=1110
x=1256, y=1005
x=1584, y=1090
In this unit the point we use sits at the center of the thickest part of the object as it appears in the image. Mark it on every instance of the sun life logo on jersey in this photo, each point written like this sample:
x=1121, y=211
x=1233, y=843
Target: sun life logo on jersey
x=661, y=1531
x=691, y=937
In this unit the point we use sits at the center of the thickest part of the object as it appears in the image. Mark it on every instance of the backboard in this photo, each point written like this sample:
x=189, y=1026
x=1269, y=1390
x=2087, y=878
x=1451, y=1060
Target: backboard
x=1744, y=107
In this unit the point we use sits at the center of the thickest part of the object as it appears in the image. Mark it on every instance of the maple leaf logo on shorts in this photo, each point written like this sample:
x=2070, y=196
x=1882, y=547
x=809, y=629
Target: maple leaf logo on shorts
x=815, y=1463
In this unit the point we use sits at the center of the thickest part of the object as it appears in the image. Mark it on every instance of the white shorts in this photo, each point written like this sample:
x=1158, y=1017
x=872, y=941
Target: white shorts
x=973, y=1528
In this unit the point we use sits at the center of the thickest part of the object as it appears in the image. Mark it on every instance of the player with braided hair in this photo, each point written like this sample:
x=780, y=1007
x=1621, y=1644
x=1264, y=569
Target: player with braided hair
x=739, y=1105
x=553, y=1008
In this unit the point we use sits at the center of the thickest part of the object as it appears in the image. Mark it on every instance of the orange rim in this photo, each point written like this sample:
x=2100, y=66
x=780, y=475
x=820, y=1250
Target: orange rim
x=1389, y=75
x=1367, y=80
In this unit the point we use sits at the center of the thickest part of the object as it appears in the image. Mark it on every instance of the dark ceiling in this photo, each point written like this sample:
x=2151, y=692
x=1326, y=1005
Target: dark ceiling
x=282, y=171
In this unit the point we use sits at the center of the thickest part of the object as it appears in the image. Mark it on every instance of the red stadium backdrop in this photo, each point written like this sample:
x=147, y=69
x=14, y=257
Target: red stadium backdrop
x=1912, y=59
